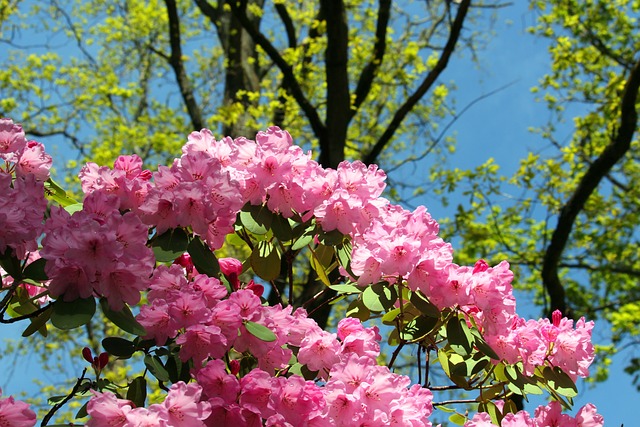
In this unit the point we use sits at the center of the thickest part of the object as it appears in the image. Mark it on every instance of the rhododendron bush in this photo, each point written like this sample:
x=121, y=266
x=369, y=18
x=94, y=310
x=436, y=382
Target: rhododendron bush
x=208, y=338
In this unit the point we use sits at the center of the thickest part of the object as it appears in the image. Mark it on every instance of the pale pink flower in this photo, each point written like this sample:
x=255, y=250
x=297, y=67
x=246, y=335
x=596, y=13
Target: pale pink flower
x=15, y=413
x=12, y=140
x=182, y=407
x=106, y=409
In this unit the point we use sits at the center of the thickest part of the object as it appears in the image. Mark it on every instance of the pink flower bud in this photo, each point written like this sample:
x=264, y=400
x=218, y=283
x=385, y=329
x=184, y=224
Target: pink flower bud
x=556, y=317
x=228, y=266
x=86, y=353
x=481, y=265
x=102, y=361
x=234, y=367
x=257, y=289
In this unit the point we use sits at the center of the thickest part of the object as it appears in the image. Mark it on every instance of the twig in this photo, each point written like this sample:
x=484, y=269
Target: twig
x=60, y=404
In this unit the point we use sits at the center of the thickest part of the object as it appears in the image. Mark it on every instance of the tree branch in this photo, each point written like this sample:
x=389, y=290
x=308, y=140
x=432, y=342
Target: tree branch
x=379, y=47
x=289, y=80
x=429, y=80
x=175, y=60
x=617, y=148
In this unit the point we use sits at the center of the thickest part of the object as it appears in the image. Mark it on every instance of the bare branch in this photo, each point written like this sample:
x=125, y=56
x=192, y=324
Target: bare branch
x=617, y=148
x=370, y=70
x=429, y=80
x=289, y=80
x=175, y=60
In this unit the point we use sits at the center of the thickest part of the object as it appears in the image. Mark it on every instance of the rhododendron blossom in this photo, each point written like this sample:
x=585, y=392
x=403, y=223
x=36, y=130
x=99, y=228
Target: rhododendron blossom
x=223, y=355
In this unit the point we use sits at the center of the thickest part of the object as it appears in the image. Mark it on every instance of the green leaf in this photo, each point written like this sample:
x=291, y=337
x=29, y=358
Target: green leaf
x=346, y=289
x=39, y=323
x=458, y=419
x=343, y=253
x=318, y=266
x=57, y=193
x=55, y=399
x=358, y=310
x=260, y=331
x=265, y=261
x=459, y=336
x=35, y=270
x=304, y=239
x=178, y=371
x=559, y=381
x=82, y=412
x=257, y=219
x=11, y=264
x=73, y=208
x=425, y=306
x=137, y=392
x=389, y=318
x=330, y=238
x=119, y=347
x=155, y=366
x=492, y=392
x=282, y=228
x=482, y=345
x=170, y=245
x=73, y=314
x=418, y=328
x=203, y=259
x=123, y=319
x=379, y=297
x=493, y=411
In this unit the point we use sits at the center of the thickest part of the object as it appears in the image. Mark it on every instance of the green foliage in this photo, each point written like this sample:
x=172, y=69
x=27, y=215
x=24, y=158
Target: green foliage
x=593, y=49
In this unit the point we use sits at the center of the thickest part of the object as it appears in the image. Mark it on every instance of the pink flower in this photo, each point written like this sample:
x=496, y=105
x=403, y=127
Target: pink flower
x=216, y=382
x=319, y=350
x=12, y=140
x=552, y=416
x=15, y=413
x=182, y=406
x=34, y=161
x=105, y=409
x=481, y=419
x=588, y=417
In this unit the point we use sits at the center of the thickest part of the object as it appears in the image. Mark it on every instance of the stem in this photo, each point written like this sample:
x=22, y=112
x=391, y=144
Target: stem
x=60, y=404
x=395, y=354
x=448, y=402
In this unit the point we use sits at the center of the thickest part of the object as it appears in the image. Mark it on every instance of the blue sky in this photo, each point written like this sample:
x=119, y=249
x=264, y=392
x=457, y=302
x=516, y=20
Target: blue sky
x=495, y=127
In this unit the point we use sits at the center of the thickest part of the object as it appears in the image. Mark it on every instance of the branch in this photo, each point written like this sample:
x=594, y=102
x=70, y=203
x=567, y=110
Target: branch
x=429, y=80
x=175, y=60
x=617, y=148
x=60, y=404
x=289, y=80
x=370, y=70
x=288, y=24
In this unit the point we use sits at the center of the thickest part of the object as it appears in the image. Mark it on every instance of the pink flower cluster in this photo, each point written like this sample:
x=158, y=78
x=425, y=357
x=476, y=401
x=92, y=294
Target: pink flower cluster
x=97, y=251
x=357, y=391
x=545, y=416
x=15, y=413
x=22, y=201
x=181, y=407
x=535, y=341
x=274, y=171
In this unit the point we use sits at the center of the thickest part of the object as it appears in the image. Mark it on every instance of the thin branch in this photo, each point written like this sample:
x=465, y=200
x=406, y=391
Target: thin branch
x=370, y=70
x=289, y=80
x=617, y=148
x=175, y=60
x=60, y=404
x=283, y=13
x=429, y=80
